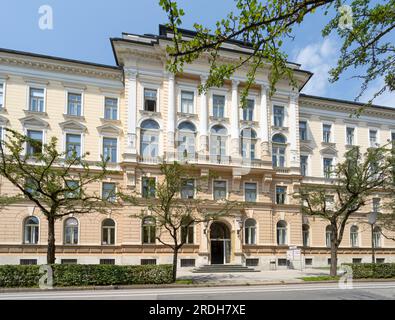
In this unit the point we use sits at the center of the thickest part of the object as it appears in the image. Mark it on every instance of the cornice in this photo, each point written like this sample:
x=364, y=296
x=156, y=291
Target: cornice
x=62, y=67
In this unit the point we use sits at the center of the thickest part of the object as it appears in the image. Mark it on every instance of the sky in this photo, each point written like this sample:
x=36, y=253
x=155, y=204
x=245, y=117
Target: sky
x=81, y=30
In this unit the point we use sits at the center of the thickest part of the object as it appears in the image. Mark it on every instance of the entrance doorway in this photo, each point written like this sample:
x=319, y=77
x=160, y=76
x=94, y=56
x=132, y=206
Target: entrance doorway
x=220, y=243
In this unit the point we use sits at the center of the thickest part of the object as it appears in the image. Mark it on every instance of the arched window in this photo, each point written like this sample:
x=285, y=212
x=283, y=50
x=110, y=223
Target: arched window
x=31, y=230
x=218, y=141
x=377, y=237
x=328, y=236
x=250, y=231
x=354, y=236
x=149, y=139
x=248, y=143
x=187, y=231
x=149, y=230
x=278, y=150
x=108, y=232
x=71, y=231
x=186, y=140
x=281, y=233
x=306, y=235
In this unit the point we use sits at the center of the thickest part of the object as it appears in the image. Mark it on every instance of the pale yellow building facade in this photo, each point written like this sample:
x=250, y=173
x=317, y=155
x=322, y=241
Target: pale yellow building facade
x=138, y=113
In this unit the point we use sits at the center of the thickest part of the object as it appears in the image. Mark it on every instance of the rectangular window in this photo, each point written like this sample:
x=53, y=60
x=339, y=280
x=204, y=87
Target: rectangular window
x=36, y=100
x=252, y=262
x=35, y=146
x=109, y=191
x=356, y=260
x=148, y=187
x=68, y=261
x=380, y=260
x=111, y=108
x=393, y=136
x=308, y=261
x=278, y=116
x=303, y=165
x=248, y=111
x=326, y=133
x=107, y=261
x=250, y=190
x=1, y=95
x=148, y=262
x=26, y=262
x=281, y=193
x=187, y=98
x=187, y=263
x=74, y=189
x=150, y=99
x=188, y=189
x=110, y=149
x=350, y=136
x=328, y=167
x=74, y=104
x=218, y=106
x=302, y=130
x=376, y=205
x=282, y=262
x=373, y=138
x=73, y=145
x=219, y=190
x=278, y=156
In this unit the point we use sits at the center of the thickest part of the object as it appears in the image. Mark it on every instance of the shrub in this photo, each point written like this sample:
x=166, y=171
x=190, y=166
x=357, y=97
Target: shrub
x=86, y=275
x=372, y=271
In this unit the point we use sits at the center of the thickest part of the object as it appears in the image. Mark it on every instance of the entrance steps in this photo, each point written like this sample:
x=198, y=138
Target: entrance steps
x=223, y=268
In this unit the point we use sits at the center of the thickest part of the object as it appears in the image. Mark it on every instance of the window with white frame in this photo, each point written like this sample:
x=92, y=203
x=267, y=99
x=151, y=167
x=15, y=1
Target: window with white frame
x=71, y=231
x=327, y=133
x=250, y=191
x=248, y=111
x=188, y=189
x=1, y=95
x=281, y=233
x=34, y=145
x=187, y=101
x=149, y=230
x=281, y=194
x=328, y=167
x=376, y=202
x=148, y=186
x=73, y=145
x=306, y=235
x=187, y=231
x=218, y=141
x=303, y=130
x=149, y=139
x=218, y=106
x=350, y=136
x=278, y=150
x=219, y=190
x=110, y=108
x=31, y=230
x=354, y=236
x=278, y=116
x=186, y=140
x=304, y=165
x=74, y=104
x=150, y=100
x=373, y=138
x=108, y=232
x=250, y=231
x=109, y=191
x=110, y=149
x=248, y=143
x=36, y=99
x=328, y=236
x=377, y=237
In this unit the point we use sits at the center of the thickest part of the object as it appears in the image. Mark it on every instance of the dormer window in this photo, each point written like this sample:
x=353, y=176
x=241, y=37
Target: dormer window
x=150, y=100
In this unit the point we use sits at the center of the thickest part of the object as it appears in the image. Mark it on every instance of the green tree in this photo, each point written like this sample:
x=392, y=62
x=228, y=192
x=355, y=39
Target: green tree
x=354, y=181
x=56, y=182
x=264, y=26
x=174, y=204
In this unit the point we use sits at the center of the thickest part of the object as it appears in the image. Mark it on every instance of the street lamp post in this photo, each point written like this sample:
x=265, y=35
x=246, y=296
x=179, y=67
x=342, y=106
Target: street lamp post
x=372, y=217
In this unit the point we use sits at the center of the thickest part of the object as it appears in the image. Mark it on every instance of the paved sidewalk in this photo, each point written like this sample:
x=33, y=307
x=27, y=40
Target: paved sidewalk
x=266, y=276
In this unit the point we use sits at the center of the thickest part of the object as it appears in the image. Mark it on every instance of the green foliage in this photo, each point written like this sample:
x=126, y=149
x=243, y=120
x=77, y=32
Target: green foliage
x=86, y=275
x=372, y=270
x=320, y=278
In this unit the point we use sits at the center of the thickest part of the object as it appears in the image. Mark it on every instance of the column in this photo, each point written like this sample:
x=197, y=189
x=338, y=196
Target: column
x=131, y=75
x=171, y=117
x=293, y=130
x=264, y=125
x=203, y=121
x=234, y=122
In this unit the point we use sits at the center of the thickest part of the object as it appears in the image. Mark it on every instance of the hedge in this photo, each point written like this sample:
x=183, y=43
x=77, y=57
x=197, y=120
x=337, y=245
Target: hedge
x=372, y=270
x=86, y=275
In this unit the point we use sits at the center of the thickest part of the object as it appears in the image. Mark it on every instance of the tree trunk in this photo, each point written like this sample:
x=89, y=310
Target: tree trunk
x=333, y=270
x=51, y=241
x=175, y=256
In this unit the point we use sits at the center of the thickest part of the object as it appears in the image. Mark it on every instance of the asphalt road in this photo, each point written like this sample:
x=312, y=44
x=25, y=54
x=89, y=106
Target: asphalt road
x=327, y=291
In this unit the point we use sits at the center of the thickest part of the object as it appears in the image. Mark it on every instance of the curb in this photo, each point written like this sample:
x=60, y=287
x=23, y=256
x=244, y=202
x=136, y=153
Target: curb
x=174, y=286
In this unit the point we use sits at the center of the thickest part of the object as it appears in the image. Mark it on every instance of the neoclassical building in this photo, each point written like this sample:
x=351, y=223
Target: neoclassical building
x=137, y=114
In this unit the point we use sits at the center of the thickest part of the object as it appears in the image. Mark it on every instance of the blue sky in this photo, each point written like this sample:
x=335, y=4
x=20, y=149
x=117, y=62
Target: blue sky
x=82, y=30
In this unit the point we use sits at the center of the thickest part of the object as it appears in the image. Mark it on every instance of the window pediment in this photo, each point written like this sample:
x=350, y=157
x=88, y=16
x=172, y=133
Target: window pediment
x=34, y=122
x=109, y=129
x=306, y=149
x=329, y=151
x=73, y=126
x=3, y=121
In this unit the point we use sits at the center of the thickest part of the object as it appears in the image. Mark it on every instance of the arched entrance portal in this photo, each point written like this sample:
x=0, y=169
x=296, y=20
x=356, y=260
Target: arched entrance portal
x=220, y=243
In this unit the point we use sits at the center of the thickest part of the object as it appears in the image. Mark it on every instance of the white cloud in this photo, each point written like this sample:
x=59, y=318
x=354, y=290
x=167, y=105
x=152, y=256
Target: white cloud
x=318, y=58
x=385, y=99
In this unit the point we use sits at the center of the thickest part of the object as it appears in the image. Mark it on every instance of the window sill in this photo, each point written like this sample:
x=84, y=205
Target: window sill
x=328, y=144
x=306, y=141
x=187, y=115
x=150, y=113
x=281, y=129
x=249, y=122
x=71, y=117
x=36, y=113
x=220, y=119
x=117, y=121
